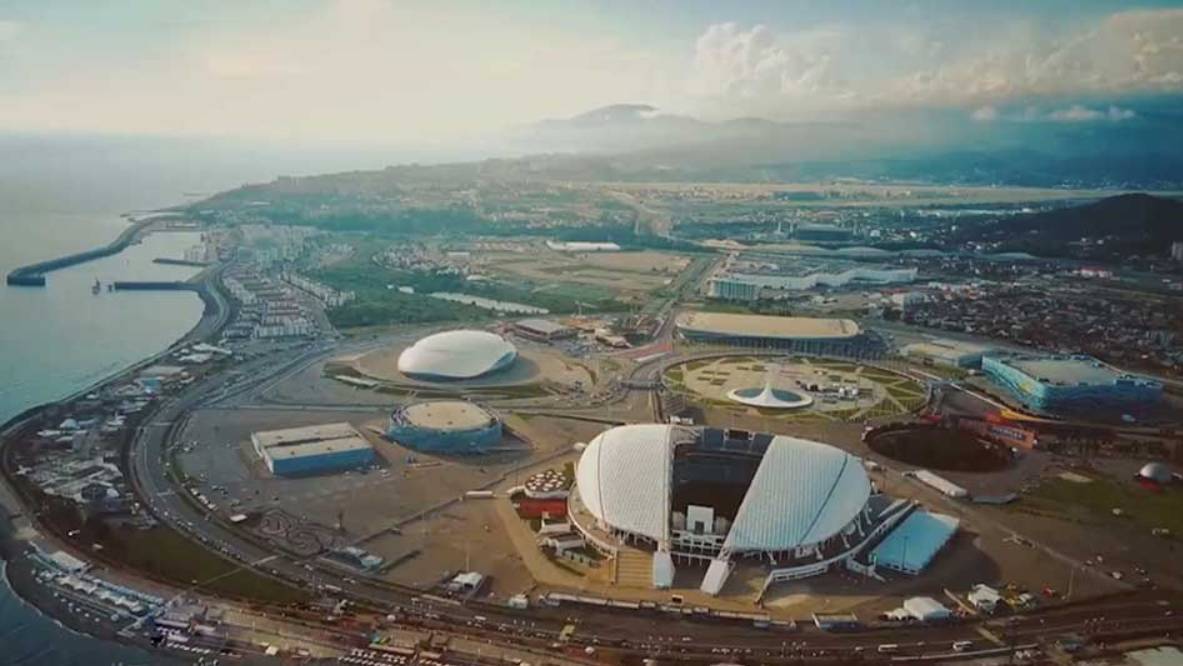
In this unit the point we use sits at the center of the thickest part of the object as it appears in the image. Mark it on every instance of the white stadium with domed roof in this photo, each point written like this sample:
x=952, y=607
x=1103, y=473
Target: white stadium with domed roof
x=709, y=496
x=457, y=355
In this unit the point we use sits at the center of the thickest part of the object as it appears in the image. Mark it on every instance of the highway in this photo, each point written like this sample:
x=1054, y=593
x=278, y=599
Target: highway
x=646, y=633
x=642, y=634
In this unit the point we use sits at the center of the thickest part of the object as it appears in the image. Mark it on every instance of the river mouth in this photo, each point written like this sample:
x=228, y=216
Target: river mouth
x=936, y=447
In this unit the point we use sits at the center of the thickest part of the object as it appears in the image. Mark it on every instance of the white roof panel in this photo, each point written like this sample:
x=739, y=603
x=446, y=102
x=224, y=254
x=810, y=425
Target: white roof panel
x=803, y=492
x=624, y=476
x=460, y=354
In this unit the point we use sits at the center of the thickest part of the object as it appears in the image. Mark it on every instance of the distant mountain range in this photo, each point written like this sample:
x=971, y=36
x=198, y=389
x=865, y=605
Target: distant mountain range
x=941, y=146
x=1120, y=226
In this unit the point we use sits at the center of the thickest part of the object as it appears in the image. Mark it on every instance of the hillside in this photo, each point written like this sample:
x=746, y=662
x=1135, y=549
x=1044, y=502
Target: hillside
x=1123, y=225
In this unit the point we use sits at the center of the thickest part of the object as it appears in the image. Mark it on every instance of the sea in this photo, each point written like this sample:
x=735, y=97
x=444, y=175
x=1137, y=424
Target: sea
x=63, y=194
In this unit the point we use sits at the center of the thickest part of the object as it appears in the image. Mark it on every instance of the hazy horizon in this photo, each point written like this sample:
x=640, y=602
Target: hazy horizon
x=431, y=77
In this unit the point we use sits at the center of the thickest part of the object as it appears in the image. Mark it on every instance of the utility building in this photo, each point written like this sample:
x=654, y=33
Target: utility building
x=313, y=449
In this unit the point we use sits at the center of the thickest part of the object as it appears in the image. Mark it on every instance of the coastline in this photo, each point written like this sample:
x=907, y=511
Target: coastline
x=215, y=309
x=17, y=574
x=17, y=527
x=33, y=275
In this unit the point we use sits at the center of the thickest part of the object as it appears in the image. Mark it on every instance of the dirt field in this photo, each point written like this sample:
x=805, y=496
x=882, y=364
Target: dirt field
x=617, y=272
x=406, y=484
x=466, y=536
x=646, y=261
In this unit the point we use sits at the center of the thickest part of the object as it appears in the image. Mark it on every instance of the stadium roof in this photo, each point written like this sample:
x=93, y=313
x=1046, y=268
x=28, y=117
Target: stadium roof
x=1065, y=370
x=945, y=349
x=766, y=326
x=462, y=354
x=912, y=545
x=624, y=478
x=447, y=415
x=544, y=326
x=803, y=492
x=310, y=440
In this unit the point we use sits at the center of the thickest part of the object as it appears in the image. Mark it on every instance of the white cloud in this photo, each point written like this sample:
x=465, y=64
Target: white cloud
x=1115, y=113
x=409, y=71
x=1078, y=113
x=1075, y=114
x=729, y=60
x=859, y=67
x=985, y=114
x=351, y=69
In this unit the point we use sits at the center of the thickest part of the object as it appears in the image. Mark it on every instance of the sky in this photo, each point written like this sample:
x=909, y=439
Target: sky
x=410, y=72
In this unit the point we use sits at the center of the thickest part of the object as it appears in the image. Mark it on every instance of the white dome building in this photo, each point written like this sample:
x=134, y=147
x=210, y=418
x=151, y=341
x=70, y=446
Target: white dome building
x=1156, y=472
x=453, y=355
x=708, y=495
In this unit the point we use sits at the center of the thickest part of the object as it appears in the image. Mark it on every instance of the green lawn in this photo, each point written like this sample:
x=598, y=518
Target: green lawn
x=1094, y=502
x=163, y=553
x=903, y=392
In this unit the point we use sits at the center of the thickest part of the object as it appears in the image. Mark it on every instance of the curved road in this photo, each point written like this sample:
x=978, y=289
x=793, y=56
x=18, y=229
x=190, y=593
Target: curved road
x=641, y=634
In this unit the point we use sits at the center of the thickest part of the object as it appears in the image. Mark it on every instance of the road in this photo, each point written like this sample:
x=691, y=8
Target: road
x=642, y=634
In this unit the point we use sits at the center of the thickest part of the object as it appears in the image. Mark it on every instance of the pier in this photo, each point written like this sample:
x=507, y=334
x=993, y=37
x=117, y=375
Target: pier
x=33, y=275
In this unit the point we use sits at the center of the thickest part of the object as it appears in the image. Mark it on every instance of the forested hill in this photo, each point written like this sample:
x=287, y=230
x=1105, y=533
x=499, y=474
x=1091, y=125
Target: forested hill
x=1123, y=225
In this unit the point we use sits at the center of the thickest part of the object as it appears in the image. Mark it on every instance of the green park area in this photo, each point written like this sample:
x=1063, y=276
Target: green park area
x=379, y=300
x=1094, y=502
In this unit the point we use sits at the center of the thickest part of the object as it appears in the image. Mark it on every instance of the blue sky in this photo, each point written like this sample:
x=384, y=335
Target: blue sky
x=414, y=71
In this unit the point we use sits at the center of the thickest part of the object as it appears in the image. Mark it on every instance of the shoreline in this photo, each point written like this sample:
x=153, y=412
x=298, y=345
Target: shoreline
x=215, y=309
x=33, y=275
x=17, y=574
x=17, y=568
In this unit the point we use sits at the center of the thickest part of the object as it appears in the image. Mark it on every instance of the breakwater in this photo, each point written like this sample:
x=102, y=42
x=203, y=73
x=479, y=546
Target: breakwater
x=167, y=261
x=33, y=275
x=158, y=285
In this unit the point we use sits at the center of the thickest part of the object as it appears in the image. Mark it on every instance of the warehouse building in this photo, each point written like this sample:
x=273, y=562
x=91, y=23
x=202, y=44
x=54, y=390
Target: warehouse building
x=752, y=276
x=313, y=449
x=948, y=353
x=912, y=546
x=542, y=330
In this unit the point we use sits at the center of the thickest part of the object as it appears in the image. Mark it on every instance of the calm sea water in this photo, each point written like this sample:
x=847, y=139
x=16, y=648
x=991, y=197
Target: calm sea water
x=65, y=194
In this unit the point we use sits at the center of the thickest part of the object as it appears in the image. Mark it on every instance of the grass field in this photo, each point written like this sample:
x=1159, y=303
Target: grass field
x=163, y=554
x=1094, y=502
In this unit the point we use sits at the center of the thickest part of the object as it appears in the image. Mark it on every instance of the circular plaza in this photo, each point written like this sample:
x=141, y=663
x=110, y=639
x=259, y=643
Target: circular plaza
x=836, y=389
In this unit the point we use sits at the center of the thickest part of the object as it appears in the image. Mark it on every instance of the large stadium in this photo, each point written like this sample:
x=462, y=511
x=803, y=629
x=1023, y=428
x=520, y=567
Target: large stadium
x=1071, y=384
x=802, y=335
x=464, y=362
x=456, y=355
x=694, y=495
x=445, y=426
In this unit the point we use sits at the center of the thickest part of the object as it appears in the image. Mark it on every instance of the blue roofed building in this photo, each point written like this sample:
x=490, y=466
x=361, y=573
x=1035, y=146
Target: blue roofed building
x=911, y=546
x=1076, y=383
